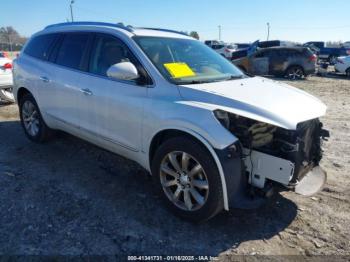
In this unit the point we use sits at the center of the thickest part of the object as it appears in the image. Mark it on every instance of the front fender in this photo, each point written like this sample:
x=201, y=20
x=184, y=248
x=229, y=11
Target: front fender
x=197, y=122
x=188, y=118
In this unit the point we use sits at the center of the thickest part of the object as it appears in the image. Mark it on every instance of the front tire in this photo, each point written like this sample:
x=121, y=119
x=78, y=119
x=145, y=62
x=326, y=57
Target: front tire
x=348, y=73
x=187, y=178
x=31, y=120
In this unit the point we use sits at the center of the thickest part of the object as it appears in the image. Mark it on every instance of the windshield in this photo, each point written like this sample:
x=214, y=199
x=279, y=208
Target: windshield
x=230, y=46
x=187, y=61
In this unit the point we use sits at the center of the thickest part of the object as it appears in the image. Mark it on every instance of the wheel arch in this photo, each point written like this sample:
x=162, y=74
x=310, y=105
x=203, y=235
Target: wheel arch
x=165, y=134
x=20, y=93
x=294, y=65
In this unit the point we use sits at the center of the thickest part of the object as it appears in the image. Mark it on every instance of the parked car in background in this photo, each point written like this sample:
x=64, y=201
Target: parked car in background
x=329, y=54
x=273, y=43
x=5, y=78
x=291, y=62
x=212, y=42
x=4, y=54
x=346, y=44
x=241, y=46
x=225, y=50
x=343, y=65
x=211, y=136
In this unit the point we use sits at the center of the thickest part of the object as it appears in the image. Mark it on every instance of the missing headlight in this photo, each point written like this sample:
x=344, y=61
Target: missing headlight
x=223, y=118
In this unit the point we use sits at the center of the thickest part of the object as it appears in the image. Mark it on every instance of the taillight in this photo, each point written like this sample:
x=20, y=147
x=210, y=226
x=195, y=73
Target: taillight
x=313, y=58
x=8, y=66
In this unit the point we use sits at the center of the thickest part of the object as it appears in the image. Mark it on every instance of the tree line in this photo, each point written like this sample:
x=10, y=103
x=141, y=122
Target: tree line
x=10, y=39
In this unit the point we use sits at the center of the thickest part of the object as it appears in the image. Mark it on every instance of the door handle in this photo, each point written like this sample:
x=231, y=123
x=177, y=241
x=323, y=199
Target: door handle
x=86, y=91
x=45, y=79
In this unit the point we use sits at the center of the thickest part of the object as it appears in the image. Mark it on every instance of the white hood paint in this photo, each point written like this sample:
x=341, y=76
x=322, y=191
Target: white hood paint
x=256, y=98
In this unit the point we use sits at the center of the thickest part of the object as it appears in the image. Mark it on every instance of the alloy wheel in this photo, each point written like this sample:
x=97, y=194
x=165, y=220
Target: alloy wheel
x=30, y=118
x=184, y=181
x=295, y=73
x=333, y=60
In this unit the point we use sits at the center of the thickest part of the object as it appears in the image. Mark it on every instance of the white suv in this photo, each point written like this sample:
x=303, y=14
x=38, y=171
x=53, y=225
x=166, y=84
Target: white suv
x=212, y=137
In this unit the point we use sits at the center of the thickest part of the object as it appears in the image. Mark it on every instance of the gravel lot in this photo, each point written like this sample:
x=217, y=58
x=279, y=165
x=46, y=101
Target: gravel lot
x=68, y=197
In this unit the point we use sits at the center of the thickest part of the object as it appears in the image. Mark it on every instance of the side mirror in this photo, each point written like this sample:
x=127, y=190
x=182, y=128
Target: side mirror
x=123, y=71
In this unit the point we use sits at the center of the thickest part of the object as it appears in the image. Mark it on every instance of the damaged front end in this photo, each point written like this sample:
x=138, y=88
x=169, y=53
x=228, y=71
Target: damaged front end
x=276, y=155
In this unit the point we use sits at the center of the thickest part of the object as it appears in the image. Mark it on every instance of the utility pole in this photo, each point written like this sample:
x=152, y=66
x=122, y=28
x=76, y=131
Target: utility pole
x=71, y=10
x=219, y=32
x=268, y=31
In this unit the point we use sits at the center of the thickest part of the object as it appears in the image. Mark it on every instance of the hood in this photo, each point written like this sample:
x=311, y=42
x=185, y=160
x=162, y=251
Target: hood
x=256, y=98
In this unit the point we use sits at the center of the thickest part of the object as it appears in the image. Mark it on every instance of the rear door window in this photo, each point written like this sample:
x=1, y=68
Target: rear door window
x=39, y=47
x=71, y=51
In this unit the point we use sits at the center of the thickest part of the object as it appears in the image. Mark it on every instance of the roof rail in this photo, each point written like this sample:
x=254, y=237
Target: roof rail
x=127, y=28
x=164, y=30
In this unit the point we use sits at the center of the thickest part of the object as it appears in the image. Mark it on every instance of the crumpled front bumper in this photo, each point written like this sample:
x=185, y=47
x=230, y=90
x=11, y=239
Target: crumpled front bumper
x=262, y=167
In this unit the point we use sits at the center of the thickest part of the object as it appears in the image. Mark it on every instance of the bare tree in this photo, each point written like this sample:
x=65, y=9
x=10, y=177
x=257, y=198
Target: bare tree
x=10, y=37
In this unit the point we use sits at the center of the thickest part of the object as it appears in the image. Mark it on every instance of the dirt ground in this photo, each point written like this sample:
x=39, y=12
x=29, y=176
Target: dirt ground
x=68, y=197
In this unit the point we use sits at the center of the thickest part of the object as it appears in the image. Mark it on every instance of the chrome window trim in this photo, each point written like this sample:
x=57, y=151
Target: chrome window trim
x=100, y=76
x=128, y=82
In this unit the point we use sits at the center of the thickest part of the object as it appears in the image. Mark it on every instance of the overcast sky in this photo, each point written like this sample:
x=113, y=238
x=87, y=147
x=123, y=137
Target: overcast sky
x=241, y=21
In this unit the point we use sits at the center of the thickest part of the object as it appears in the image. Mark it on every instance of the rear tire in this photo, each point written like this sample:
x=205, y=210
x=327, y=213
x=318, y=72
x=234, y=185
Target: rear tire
x=31, y=120
x=294, y=73
x=348, y=73
x=191, y=187
x=332, y=59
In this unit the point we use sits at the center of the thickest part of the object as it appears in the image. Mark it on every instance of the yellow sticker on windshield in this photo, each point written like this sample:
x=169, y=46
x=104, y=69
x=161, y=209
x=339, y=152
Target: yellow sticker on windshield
x=179, y=70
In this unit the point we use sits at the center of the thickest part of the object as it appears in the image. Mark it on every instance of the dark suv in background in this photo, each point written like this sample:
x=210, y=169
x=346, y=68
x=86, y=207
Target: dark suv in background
x=291, y=62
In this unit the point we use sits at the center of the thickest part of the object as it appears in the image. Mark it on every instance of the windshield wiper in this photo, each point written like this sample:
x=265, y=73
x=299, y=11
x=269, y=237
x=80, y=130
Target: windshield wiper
x=233, y=77
x=193, y=82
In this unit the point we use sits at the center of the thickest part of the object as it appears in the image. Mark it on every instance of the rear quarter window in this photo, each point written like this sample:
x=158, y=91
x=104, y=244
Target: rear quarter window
x=39, y=47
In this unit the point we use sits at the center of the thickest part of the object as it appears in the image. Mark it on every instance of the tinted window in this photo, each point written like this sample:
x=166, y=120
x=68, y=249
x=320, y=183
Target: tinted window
x=217, y=46
x=71, y=51
x=39, y=46
x=108, y=51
